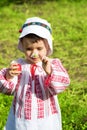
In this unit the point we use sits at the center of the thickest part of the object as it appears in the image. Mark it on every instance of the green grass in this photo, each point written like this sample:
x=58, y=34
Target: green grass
x=69, y=23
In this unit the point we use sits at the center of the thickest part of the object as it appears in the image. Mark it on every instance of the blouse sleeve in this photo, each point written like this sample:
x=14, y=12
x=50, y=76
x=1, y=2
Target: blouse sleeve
x=6, y=86
x=59, y=79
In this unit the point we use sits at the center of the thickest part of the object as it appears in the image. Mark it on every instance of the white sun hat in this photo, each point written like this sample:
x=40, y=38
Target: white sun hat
x=39, y=27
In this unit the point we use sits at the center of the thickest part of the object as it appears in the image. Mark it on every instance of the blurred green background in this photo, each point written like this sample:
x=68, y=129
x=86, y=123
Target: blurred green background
x=69, y=23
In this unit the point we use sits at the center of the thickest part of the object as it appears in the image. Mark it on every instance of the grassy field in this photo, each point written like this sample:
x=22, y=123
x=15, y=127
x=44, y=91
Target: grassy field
x=69, y=23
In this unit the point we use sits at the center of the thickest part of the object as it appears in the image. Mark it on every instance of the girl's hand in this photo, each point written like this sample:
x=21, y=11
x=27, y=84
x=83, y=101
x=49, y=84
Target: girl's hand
x=46, y=65
x=13, y=70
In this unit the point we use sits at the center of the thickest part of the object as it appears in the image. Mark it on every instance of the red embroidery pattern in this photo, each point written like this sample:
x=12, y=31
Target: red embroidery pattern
x=58, y=66
x=40, y=108
x=20, y=103
x=9, y=90
x=59, y=78
x=39, y=95
x=53, y=105
x=1, y=77
x=16, y=90
x=28, y=103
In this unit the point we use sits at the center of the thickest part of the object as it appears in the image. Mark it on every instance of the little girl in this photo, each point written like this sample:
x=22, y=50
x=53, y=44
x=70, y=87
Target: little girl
x=34, y=81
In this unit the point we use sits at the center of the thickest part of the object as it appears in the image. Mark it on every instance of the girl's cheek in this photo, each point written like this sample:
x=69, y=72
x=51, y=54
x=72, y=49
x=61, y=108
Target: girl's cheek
x=27, y=54
x=41, y=57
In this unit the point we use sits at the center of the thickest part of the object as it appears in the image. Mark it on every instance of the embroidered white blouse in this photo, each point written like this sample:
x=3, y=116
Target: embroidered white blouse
x=35, y=105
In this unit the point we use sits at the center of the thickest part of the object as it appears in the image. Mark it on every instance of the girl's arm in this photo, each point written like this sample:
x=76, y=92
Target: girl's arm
x=7, y=86
x=58, y=80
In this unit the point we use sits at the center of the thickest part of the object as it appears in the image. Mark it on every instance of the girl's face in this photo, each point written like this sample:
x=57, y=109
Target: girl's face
x=34, y=52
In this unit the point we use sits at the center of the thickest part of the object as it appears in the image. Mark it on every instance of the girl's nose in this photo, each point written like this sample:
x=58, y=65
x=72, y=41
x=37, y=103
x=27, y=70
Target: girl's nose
x=34, y=55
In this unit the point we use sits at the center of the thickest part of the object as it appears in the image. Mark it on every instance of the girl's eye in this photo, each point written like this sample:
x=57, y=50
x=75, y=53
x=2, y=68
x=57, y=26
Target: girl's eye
x=39, y=48
x=28, y=49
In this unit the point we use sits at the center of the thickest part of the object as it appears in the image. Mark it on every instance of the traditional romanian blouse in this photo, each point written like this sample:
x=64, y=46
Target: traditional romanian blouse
x=35, y=105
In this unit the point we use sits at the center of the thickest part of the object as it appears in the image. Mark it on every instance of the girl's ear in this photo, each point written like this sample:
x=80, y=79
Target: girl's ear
x=46, y=45
x=22, y=44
